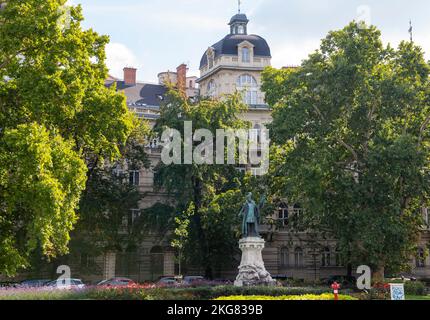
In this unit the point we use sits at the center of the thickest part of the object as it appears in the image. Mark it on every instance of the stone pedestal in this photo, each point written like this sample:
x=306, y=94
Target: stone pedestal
x=251, y=270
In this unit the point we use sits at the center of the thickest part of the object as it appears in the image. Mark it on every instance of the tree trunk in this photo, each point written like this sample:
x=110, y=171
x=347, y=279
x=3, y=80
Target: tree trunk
x=378, y=275
x=201, y=232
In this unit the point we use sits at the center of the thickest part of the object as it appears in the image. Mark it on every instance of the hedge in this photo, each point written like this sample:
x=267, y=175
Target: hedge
x=415, y=288
x=140, y=293
x=202, y=293
x=326, y=296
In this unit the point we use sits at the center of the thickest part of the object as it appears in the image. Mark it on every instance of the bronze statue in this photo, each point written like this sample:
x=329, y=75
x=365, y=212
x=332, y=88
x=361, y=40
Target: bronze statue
x=251, y=214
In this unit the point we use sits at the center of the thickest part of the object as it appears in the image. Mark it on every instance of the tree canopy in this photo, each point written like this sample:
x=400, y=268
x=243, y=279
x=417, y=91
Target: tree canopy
x=207, y=196
x=56, y=119
x=351, y=137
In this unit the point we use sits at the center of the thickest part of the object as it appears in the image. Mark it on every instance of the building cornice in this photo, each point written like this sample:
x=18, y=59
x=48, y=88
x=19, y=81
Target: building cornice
x=227, y=67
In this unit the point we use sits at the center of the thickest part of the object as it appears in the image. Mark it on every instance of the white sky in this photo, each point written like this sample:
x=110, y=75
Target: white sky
x=158, y=35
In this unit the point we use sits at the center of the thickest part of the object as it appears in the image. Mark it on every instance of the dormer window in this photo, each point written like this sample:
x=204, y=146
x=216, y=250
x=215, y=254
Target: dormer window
x=246, y=55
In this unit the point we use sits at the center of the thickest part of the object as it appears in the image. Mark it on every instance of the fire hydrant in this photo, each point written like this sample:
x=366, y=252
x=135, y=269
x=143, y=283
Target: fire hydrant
x=336, y=286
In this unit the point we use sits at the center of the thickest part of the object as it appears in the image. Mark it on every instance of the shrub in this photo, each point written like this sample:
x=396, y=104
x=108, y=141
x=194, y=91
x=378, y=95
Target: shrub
x=150, y=293
x=415, y=288
x=381, y=291
x=326, y=296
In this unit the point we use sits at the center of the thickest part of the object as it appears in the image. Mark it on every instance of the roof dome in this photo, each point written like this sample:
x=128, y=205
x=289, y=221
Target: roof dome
x=240, y=17
x=229, y=46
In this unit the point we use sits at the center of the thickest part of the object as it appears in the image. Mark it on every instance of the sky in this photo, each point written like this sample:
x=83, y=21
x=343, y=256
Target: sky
x=158, y=35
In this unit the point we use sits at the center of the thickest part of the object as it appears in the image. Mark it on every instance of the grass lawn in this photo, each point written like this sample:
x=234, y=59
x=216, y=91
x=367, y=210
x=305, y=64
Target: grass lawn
x=418, y=298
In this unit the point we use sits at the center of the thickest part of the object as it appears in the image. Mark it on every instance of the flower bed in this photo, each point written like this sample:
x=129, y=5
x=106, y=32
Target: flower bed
x=324, y=297
x=151, y=293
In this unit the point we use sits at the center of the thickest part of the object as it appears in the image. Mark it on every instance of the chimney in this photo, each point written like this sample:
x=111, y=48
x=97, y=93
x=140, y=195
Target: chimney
x=182, y=77
x=130, y=76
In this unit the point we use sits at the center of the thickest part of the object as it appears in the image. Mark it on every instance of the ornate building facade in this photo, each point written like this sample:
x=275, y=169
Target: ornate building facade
x=235, y=63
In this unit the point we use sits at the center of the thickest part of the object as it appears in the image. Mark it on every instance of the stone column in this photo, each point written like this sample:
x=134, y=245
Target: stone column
x=169, y=263
x=252, y=271
x=109, y=265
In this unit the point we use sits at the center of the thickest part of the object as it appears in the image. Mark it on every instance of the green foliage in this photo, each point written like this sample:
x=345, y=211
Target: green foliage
x=56, y=115
x=351, y=139
x=41, y=180
x=415, y=288
x=105, y=208
x=207, y=197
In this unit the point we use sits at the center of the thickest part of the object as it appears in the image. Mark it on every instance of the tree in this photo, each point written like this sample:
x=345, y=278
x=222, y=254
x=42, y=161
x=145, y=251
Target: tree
x=351, y=133
x=105, y=222
x=41, y=179
x=52, y=90
x=205, y=195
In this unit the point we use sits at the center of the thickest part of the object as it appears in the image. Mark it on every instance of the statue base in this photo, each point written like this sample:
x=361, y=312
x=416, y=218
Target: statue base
x=252, y=271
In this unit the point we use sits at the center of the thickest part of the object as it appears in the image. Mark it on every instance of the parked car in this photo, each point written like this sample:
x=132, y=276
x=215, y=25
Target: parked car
x=223, y=282
x=34, y=283
x=9, y=284
x=344, y=281
x=117, y=282
x=403, y=278
x=192, y=280
x=66, y=284
x=169, y=281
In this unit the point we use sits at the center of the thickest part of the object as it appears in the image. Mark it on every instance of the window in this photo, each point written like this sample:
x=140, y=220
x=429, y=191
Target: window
x=285, y=258
x=118, y=171
x=242, y=169
x=129, y=219
x=134, y=178
x=153, y=144
x=257, y=172
x=245, y=55
x=283, y=214
x=84, y=260
x=249, y=87
x=241, y=29
x=421, y=258
x=325, y=259
x=297, y=209
x=255, y=133
x=135, y=214
x=246, y=80
x=339, y=258
x=211, y=88
x=298, y=258
x=250, y=97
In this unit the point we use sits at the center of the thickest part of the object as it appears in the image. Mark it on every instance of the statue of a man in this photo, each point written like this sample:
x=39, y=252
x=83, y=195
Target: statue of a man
x=250, y=213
